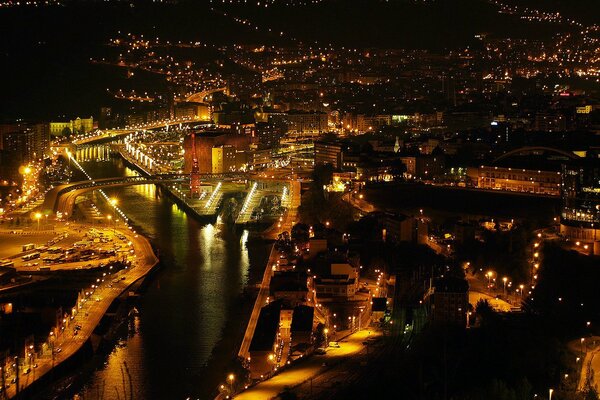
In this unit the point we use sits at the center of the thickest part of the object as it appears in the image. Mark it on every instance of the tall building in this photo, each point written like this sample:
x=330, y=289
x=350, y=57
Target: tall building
x=24, y=142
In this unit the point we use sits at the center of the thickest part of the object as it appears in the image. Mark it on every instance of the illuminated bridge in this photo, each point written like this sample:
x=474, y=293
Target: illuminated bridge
x=62, y=198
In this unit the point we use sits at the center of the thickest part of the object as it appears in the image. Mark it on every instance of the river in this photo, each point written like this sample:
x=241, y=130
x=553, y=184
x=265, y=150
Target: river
x=192, y=314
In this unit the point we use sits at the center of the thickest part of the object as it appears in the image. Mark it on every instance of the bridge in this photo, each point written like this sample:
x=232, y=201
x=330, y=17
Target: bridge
x=536, y=150
x=62, y=198
x=110, y=134
x=201, y=96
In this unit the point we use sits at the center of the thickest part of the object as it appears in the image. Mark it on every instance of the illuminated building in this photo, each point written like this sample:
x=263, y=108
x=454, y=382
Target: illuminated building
x=78, y=125
x=192, y=111
x=580, y=213
x=304, y=123
x=362, y=123
x=204, y=144
x=21, y=143
x=223, y=159
x=516, y=180
x=340, y=154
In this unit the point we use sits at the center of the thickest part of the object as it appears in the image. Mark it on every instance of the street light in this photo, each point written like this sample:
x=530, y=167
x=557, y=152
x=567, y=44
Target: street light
x=113, y=201
x=504, y=280
x=38, y=216
x=550, y=391
x=230, y=378
x=489, y=276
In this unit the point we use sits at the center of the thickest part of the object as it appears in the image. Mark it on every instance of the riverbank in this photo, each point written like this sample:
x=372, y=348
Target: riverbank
x=63, y=345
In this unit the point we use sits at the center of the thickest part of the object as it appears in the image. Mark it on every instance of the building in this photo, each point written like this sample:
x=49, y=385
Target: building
x=580, y=209
x=423, y=166
x=449, y=300
x=262, y=346
x=316, y=246
x=21, y=143
x=550, y=122
x=205, y=142
x=74, y=126
x=362, y=123
x=516, y=180
x=302, y=325
x=403, y=228
x=464, y=232
x=289, y=286
x=335, y=286
x=306, y=123
x=340, y=154
x=224, y=159
x=378, y=308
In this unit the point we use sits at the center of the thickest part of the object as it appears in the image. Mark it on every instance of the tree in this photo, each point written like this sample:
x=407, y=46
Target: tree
x=66, y=132
x=484, y=311
x=300, y=233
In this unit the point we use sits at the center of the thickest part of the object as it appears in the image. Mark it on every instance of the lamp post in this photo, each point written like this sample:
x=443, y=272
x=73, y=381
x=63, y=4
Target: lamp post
x=113, y=201
x=521, y=287
x=504, y=280
x=38, y=216
x=230, y=379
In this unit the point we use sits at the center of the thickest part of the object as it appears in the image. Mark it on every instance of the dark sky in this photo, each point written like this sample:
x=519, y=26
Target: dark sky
x=45, y=51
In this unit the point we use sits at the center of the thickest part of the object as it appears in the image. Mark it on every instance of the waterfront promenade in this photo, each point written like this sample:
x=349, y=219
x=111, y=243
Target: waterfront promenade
x=87, y=317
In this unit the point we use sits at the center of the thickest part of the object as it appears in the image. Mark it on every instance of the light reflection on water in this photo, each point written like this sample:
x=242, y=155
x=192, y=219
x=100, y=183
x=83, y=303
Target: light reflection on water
x=192, y=304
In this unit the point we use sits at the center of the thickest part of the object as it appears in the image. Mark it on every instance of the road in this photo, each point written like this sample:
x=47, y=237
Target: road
x=261, y=300
x=590, y=369
x=286, y=224
x=89, y=316
x=301, y=372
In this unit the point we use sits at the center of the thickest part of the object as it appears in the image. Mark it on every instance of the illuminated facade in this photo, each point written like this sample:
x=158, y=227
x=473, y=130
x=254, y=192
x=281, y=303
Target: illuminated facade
x=223, y=159
x=75, y=126
x=201, y=149
x=580, y=213
x=516, y=180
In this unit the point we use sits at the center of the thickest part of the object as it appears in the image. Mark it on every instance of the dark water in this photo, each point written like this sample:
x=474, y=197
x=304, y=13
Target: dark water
x=193, y=314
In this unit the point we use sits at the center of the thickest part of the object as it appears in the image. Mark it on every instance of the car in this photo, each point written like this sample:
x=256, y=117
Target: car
x=334, y=344
x=57, y=350
x=78, y=327
x=320, y=351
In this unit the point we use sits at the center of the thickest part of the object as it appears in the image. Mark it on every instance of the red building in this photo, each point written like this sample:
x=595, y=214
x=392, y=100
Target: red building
x=204, y=143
